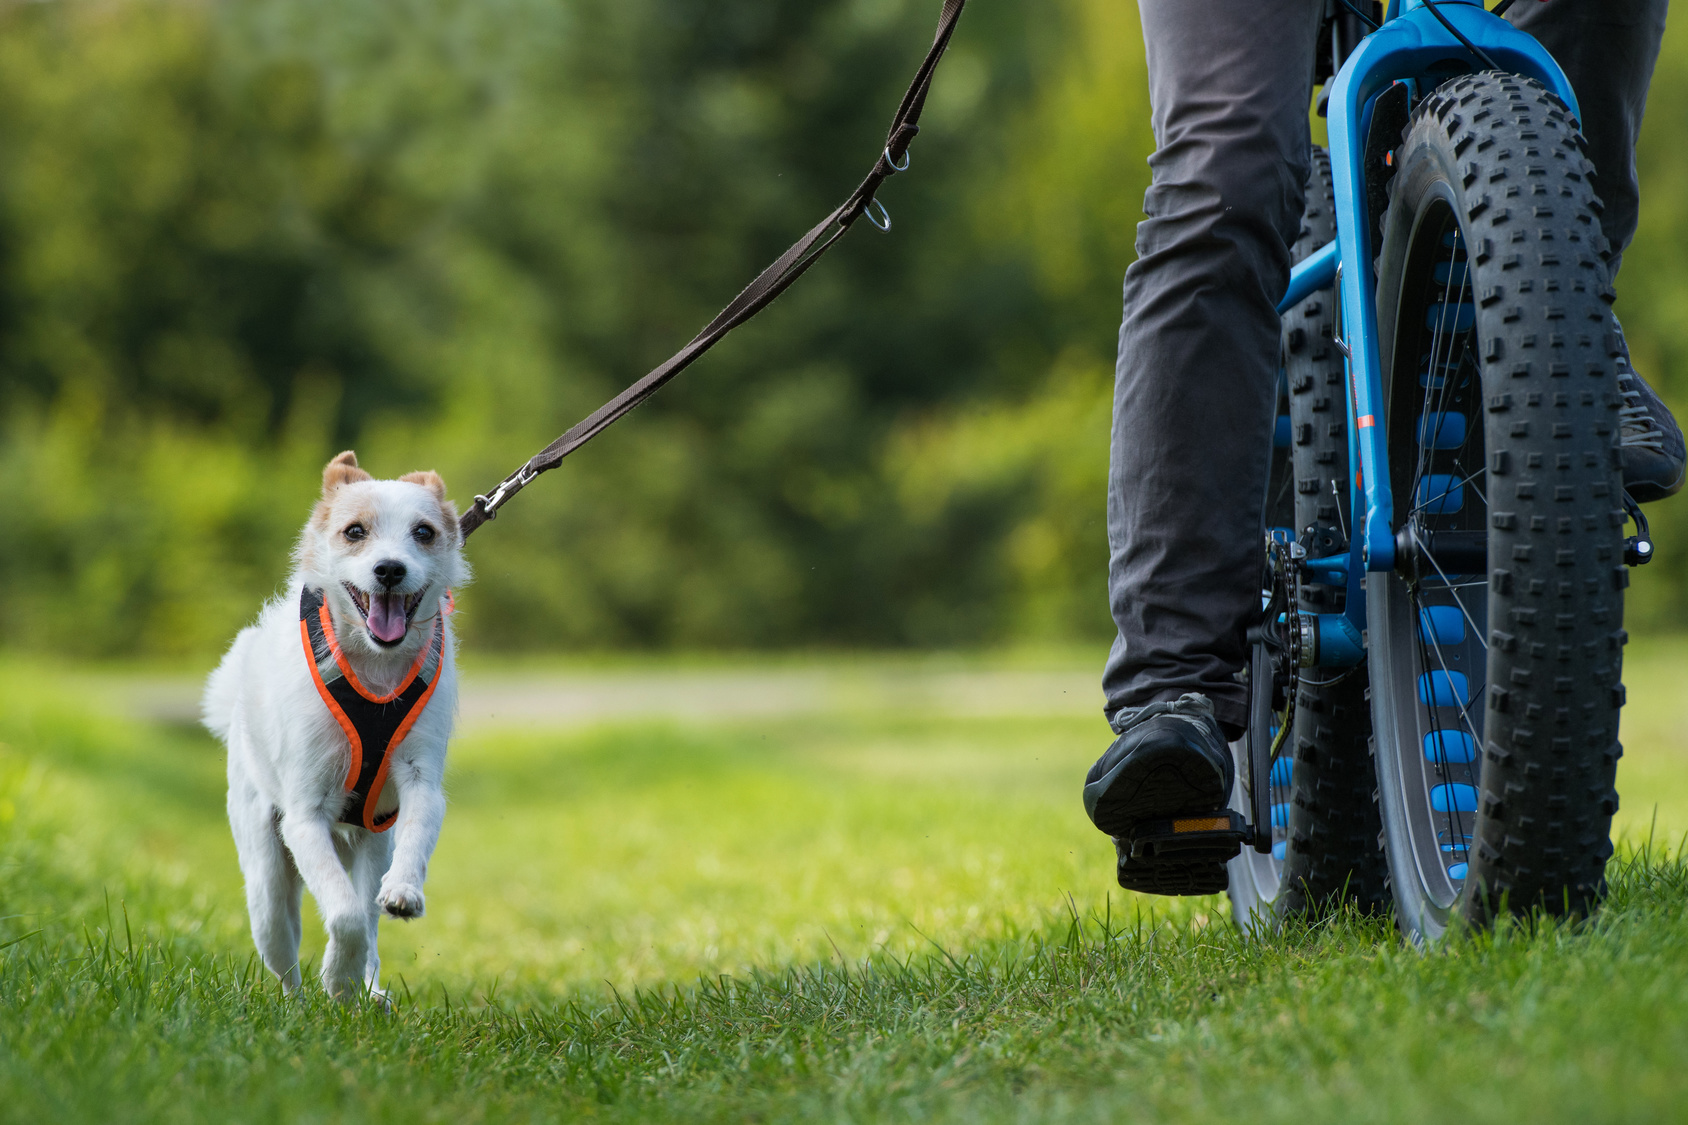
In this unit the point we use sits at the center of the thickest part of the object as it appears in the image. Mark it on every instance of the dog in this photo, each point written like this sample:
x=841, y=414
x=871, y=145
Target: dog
x=336, y=707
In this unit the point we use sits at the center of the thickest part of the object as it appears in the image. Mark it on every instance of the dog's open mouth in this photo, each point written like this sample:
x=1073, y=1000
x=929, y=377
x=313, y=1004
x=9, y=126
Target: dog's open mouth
x=386, y=615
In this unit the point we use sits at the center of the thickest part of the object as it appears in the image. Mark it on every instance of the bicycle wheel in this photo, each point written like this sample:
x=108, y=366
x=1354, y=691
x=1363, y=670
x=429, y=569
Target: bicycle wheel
x=1496, y=646
x=1324, y=819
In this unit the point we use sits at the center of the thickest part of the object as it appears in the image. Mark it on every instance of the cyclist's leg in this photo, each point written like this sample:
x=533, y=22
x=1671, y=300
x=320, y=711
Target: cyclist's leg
x=1608, y=48
x=1229, y=82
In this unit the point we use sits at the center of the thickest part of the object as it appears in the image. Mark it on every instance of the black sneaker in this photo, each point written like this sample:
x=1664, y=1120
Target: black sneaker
x=1650, y=441
x=1169, y=761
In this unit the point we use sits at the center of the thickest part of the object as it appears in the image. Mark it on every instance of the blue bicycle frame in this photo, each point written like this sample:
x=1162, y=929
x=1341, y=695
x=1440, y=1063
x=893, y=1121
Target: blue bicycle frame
x=1411, y=46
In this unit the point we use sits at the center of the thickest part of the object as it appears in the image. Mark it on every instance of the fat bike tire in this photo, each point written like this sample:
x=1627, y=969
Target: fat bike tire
x=1496, y=645
x=1325, y=821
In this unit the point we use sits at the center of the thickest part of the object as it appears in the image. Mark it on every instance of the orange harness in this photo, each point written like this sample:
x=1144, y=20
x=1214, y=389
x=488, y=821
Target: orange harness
x=370, y=721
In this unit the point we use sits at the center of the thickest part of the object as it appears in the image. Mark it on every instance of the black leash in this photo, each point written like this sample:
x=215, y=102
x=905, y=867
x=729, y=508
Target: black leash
x=770, y=283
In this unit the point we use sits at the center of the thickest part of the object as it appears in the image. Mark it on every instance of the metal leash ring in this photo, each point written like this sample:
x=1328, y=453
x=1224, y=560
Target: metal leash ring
x=885, y=215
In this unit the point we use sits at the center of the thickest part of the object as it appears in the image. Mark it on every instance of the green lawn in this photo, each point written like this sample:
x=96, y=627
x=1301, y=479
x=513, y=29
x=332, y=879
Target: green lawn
x=849, y=911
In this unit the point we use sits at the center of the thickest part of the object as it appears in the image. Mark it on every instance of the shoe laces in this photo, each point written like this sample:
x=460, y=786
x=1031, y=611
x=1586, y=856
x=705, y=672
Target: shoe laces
x=1636, y=425
x=1191, y=707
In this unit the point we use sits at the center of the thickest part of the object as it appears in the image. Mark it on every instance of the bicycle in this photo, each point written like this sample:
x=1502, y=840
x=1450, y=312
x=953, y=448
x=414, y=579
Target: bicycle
x=1448, y=356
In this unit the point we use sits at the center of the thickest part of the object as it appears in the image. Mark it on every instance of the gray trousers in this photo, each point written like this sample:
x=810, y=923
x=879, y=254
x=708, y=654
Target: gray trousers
x=1230, y=82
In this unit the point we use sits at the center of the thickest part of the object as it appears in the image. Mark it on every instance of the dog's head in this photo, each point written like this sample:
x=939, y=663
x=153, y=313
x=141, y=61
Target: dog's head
x=384, y=553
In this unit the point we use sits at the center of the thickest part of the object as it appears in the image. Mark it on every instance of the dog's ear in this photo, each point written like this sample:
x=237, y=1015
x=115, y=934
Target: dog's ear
x=427, y=479
x=448, y=512
x=342, y=470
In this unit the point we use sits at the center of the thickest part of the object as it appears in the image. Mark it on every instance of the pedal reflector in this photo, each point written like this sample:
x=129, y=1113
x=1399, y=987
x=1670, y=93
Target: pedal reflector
x=1219, y=833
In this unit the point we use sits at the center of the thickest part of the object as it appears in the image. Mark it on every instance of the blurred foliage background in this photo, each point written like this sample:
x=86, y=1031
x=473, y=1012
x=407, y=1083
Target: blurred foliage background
x=237, y=238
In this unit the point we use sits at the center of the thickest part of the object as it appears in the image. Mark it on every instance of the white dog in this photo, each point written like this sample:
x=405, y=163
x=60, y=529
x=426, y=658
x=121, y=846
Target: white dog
x=336, y=707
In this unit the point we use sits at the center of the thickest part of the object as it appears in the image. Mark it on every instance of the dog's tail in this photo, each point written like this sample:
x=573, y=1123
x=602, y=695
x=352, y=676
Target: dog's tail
x=222, y=690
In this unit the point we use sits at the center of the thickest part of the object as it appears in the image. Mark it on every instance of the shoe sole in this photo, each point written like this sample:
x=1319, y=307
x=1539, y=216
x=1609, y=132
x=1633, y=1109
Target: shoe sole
x=1648, y=492
x=1156, y=784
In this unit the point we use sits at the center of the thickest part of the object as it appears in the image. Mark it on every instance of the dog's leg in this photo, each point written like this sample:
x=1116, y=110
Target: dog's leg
x=273, y=885
x=369, y=863
x=311, y=840
x=421, y=812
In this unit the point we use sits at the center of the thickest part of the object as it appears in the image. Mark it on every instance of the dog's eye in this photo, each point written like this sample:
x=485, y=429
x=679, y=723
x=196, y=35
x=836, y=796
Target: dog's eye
x=354, y=532
x=423, y=533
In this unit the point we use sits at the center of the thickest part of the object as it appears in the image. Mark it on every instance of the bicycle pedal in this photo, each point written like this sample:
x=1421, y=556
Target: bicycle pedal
x=1183, y=856
x=1210, y=836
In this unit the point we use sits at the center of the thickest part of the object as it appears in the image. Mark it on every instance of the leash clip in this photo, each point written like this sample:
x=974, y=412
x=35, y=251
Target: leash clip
x=892, y=164
x=507, y=488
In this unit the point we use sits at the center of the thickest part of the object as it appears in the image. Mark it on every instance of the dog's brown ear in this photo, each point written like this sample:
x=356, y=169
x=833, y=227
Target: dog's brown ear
x=342, y=470
x=427, y=479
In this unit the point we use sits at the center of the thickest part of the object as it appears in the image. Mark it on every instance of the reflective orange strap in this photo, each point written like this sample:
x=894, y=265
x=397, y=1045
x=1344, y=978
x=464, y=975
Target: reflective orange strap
x=346, y=723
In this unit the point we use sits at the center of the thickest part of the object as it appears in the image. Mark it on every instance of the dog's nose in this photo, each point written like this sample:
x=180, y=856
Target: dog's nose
x=389, y=572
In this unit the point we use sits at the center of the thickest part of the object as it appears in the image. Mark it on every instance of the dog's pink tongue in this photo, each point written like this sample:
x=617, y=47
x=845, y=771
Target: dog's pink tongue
x=386, y=617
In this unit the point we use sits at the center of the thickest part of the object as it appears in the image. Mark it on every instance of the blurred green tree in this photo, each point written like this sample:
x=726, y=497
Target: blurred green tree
x=235, y=239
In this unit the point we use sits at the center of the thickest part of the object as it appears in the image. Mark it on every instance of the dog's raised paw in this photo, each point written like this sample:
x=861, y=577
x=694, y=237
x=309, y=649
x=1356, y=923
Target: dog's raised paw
x=401, y=900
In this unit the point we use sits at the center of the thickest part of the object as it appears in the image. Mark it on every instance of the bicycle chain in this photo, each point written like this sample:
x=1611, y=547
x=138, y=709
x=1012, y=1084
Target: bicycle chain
x=1287, y=645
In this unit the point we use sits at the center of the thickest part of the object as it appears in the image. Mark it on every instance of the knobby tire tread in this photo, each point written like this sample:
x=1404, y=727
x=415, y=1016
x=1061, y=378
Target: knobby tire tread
x=1512, y=154
x=1333, y=852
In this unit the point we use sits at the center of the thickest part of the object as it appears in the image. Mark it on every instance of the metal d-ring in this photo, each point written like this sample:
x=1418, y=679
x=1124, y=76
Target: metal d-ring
x=895, y=167
x=883, y=214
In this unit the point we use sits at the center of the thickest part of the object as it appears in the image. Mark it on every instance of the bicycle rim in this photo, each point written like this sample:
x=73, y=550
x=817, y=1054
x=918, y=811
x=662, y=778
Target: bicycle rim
x=1429, y=667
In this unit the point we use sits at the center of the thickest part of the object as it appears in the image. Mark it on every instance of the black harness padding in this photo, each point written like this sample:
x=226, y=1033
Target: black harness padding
x=374, y=725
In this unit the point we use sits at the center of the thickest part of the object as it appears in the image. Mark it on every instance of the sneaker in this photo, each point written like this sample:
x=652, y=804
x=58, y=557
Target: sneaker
x=1650, y=442
x=1169, y=760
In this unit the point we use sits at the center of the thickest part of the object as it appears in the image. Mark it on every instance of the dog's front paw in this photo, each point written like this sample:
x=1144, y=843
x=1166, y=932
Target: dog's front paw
x=400, y=900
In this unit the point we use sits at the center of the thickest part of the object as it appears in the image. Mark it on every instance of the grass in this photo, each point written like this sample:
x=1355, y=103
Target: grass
x=848, y=916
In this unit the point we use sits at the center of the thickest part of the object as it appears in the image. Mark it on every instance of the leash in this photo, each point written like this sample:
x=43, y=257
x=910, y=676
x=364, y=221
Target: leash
x=756, y=296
